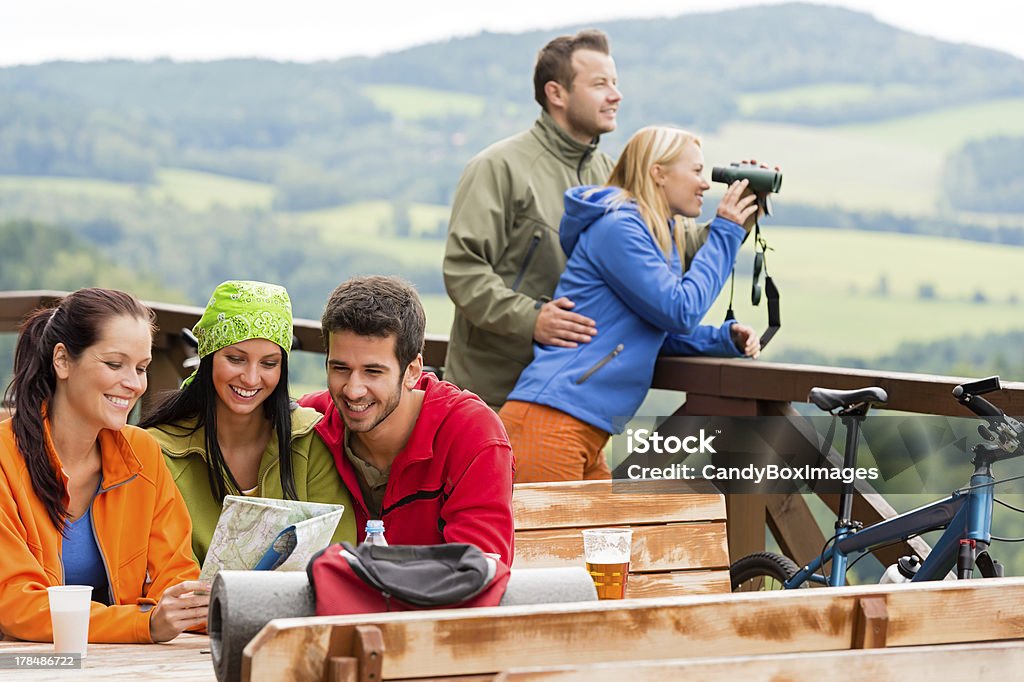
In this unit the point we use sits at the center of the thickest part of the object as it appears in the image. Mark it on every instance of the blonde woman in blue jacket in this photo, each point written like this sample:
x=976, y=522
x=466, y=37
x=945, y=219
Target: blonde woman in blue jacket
x=623, y=243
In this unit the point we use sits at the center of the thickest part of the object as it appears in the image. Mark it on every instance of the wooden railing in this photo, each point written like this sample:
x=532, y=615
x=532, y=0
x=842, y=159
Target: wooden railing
x=713, y=387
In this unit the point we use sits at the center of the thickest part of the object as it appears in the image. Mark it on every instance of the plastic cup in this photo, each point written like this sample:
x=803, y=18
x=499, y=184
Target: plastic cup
x=606, y=551
x=69, y=615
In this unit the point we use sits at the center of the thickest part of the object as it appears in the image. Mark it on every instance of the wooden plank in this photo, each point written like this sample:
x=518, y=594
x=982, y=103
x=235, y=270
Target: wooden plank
x=667, y=547
x=489, y=640
x=677, y=584
x=794, y=527
x=605, y=503
x=746, y=512
x=16, y=305
x=701, y=405
x=306, y=655
x=184, y=659
x=981, y=662
x=726, y=378
x=921, y=393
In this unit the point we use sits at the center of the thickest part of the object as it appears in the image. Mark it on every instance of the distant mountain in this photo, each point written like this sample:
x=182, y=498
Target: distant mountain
x=693, y=66
x=317, y=134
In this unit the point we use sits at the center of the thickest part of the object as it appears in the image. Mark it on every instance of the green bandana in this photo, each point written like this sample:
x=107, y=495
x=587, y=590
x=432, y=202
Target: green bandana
x=239, y=311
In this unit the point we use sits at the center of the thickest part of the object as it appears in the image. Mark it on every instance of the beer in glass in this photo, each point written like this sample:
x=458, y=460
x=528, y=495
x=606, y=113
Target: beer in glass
x=606, y=551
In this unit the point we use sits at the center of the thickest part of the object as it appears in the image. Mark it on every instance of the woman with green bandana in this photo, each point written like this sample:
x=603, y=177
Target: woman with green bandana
x=232, y=429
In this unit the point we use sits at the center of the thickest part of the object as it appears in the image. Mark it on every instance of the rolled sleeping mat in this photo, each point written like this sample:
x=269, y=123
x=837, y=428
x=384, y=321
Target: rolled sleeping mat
x=548, y=586
x=242, y=602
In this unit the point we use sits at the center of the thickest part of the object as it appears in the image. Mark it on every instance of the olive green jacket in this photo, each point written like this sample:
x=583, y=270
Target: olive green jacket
x=316, y=478
x=502, y=258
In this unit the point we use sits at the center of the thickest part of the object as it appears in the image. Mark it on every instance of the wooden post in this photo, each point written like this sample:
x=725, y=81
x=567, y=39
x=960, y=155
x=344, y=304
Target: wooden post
x=871, y=622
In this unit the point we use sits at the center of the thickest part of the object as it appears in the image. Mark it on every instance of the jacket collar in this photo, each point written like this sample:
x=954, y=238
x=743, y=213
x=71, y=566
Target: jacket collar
x=185, y=438
x=439, y=397
x=553, y=138
x=118, y=460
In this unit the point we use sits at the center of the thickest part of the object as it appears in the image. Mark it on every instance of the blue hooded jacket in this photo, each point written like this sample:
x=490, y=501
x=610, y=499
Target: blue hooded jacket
x=643, y=305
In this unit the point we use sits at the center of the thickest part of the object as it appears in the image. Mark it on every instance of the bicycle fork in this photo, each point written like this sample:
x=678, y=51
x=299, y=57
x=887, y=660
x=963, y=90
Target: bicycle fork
x=977, y=537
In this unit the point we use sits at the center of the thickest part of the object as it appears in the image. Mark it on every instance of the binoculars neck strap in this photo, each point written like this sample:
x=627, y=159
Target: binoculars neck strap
x=771, y=291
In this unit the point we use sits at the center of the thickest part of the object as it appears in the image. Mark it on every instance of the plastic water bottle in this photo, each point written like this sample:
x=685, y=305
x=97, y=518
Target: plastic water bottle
x=375, y=533
x=902, y=571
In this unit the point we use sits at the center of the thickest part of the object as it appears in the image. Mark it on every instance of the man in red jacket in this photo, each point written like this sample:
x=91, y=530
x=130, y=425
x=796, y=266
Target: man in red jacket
x=429, y=459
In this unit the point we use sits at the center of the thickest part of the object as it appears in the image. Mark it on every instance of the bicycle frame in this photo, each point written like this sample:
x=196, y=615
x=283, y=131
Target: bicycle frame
x=965, y=515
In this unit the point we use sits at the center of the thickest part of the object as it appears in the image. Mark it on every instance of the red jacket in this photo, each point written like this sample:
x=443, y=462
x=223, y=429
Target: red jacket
x=451, y=483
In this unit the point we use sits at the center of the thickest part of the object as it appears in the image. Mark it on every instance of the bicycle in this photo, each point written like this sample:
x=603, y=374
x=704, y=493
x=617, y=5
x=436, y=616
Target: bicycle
x=966, y=515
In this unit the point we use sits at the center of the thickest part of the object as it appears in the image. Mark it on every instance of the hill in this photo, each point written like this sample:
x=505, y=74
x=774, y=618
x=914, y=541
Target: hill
x=308, y=173
x=401, y=126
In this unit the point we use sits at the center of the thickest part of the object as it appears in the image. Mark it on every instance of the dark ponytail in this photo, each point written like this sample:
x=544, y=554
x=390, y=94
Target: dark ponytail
x=76, y=322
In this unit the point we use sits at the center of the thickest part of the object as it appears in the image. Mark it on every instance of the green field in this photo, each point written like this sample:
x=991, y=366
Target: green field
x=412, y=103
x=79, y=187
x=894, y=165
x=830, y=283
x=195, y=190
x=200, y=191
x=948, y=129
x=824, y=96
x=856, y=171
x=362, y=224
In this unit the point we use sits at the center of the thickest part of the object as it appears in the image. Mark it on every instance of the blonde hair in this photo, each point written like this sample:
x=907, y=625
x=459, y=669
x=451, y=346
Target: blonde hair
x=632, y=175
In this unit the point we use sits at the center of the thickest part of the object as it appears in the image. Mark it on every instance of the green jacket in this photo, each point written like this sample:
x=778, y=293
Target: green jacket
x=316, y=478
x=502, y=258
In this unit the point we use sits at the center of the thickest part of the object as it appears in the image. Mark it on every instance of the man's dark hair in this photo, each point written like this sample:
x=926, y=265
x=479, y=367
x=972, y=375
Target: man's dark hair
x=377, y=306
x=554, y=61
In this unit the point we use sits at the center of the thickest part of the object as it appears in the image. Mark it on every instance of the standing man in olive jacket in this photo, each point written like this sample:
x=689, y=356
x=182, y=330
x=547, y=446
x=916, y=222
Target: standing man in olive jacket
x=503, y=258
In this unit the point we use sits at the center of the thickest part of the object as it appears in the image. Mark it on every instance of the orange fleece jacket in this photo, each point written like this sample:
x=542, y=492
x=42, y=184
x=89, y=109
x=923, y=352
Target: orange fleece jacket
x=142, y=529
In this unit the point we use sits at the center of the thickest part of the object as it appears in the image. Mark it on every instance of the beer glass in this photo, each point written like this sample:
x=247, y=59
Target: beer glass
x=606, y=551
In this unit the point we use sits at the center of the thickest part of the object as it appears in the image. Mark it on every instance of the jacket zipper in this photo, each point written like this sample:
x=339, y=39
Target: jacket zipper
x=583, y=160
x=600, y=363
x=103, y=557
x=526, y=262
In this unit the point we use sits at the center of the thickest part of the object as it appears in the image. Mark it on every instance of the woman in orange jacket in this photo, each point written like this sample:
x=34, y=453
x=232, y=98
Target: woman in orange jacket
x=84, y=498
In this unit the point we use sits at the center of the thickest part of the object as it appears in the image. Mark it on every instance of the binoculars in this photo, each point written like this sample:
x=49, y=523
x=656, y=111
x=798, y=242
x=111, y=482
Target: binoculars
x=761, y=180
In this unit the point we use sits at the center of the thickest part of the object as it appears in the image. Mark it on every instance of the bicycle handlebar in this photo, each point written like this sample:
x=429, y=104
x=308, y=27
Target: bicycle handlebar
x=969, y=395
x=1003, y=433
x=981, y=407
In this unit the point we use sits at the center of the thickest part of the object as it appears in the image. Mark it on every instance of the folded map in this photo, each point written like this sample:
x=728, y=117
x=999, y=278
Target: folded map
x=259, y=533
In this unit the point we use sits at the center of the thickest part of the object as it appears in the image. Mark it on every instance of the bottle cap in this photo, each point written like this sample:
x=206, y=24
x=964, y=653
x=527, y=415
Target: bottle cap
x=374, y=524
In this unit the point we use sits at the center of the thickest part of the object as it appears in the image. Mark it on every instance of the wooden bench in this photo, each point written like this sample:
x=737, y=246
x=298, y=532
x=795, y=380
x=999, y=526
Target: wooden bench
x=976, y=662
x=680, y=544
x=482, y=643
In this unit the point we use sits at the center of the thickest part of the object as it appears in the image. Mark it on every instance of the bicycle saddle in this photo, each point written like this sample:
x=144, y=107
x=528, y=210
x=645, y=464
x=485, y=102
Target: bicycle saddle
x=829, y=399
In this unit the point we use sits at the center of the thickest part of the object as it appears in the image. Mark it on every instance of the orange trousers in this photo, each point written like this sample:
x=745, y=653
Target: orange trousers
x=550, y=445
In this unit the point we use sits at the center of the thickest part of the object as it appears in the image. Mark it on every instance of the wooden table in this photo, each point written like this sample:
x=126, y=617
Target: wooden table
x=184, y=659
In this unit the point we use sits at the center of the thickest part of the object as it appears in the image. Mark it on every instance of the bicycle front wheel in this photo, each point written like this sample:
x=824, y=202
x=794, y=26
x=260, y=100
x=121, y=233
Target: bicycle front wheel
x=762, y=571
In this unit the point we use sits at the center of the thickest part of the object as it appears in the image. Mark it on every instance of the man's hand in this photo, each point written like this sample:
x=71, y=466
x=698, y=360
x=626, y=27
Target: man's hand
x=557, y=326
x=747, y=342
x=180, y=607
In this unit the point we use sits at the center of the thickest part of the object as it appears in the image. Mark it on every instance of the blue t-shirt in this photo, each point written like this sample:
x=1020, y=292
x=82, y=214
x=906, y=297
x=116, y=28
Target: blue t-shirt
x=83, y=563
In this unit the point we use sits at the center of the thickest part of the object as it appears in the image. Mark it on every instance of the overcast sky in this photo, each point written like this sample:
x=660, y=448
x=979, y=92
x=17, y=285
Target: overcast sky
x=33, y=31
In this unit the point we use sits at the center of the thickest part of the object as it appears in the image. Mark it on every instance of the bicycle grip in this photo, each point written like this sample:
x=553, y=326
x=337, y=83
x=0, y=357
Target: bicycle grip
x=980, y=406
